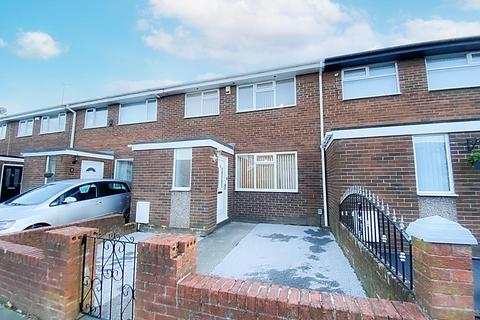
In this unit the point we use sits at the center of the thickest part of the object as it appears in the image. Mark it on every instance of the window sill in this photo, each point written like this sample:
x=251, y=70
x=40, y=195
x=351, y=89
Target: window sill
x=375, y=96
x=202, y=116
x=25, y=136
x=437, y=194
x=87, y=128
x=265, y=109
x=452, y=88
x=52, y=132
x=181, y=189
x=270, y=191
x=130, y=123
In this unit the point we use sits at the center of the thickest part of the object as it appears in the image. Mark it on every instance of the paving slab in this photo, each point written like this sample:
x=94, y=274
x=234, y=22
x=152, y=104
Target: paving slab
x=296, y=256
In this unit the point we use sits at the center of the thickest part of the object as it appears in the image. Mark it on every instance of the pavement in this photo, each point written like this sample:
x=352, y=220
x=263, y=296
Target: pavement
x=296, y=256
x=7, y=314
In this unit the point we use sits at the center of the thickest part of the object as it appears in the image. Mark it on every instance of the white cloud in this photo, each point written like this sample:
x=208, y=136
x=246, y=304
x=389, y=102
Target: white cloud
x=469, y=4
x=2, y=43
x=257, y=31
x=434, y=29
x=37, y=45
x=136, y=85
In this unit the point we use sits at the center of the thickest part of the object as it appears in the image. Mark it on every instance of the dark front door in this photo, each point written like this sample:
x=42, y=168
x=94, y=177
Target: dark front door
x=11, y=182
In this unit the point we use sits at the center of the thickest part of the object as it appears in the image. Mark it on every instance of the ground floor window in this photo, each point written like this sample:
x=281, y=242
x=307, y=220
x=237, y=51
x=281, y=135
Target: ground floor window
x=276, y=172
x=124, y=169
x=433, y=165
x=51, y=169
x=182, y=169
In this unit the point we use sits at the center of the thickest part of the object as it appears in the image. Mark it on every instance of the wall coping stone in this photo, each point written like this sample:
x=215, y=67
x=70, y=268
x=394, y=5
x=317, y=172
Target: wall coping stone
x=436, y=229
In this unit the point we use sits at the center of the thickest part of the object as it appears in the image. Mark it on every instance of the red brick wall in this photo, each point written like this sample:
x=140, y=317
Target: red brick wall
x=33, y=172
x=414, y=104
x=13, y=145
x=166, y=289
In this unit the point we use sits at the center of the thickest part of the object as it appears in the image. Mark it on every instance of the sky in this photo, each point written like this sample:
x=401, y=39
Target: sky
x=53, y=51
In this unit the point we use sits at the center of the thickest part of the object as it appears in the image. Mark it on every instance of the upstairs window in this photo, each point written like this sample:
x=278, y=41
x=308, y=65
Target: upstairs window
x=433, y=165
x=52, y=124
x=182, y=169
x=266, y=95
x=201, y=104
x=3, y=131
x=96, y=117
x=138, y=112
x=25, y=128
x=453, y=71
x=274, y=172
x=370, y=81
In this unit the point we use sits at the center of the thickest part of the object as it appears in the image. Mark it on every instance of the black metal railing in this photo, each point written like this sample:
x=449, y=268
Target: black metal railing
x=108, y=273
x=379, y=230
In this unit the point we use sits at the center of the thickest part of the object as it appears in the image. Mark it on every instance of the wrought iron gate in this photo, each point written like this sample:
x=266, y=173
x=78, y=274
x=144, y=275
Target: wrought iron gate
x=108, y=276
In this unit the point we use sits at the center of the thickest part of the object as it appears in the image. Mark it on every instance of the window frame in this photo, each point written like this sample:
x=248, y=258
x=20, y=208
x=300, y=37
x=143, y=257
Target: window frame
x=42, y=129
x=115, y=168
x=448, y=154
x=201, y=105
x=3, y=131
x=28, y=134
x=174, y=188
x=255, y=84
x=95, y=118
x=146, y=110
x=237, y=188
x=470, y=63
x=367, y=76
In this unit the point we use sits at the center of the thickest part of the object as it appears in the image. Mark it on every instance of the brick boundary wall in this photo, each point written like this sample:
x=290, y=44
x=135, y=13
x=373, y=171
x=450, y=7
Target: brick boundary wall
x=377, y=281
x=168, y=289
x=36, y=237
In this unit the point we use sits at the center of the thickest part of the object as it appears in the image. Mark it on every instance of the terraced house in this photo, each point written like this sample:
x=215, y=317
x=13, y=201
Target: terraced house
x=280, y=145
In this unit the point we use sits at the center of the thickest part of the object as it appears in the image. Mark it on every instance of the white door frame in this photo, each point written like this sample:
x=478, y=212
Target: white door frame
x=225, y=193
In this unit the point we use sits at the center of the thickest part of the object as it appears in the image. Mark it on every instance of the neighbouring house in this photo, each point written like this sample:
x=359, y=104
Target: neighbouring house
x=277, y=145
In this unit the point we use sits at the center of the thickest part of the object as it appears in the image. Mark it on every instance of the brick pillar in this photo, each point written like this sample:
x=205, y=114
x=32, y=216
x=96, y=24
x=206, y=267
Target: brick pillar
x=162, y=261
x=442, y=268
x=64, y=253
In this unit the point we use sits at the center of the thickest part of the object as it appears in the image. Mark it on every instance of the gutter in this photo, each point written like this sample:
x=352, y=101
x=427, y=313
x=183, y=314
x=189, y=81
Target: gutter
x=74, y=125
x=322, y=149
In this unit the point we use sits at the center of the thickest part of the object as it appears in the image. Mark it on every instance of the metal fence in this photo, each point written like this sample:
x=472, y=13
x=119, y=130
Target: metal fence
x=379, y=230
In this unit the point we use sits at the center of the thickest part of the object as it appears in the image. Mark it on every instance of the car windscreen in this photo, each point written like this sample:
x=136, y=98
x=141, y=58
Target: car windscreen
x=37, y=195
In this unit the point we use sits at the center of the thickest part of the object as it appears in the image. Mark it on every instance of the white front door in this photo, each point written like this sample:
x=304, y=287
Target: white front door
x=91, y=170
x=222, y=189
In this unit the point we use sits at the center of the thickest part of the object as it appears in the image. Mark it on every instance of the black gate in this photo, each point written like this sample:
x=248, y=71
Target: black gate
x=108, y=277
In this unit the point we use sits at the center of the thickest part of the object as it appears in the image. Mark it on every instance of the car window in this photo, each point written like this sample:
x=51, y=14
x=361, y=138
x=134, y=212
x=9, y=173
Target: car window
x=37, y=195
x=112, y=188
x=81, y=193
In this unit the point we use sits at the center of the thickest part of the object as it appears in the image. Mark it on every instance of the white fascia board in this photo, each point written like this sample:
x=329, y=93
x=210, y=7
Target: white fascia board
x=182, y=144
x=70, y=153
x=405, y=130
x=11, y=159
x=32, y=114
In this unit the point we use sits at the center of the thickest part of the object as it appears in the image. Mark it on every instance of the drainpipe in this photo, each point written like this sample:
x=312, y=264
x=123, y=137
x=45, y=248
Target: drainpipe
x=74, y=125
x=322, y=151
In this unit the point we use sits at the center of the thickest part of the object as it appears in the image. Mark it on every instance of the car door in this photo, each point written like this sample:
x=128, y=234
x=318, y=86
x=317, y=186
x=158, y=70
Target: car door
x=114, y=196
x=87, y=204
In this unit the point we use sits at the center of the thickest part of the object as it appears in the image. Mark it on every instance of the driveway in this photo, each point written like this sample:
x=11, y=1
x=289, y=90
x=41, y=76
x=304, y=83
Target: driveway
x=296, y=256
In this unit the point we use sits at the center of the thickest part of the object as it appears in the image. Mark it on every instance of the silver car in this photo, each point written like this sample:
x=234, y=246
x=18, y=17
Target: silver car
x=64, y=202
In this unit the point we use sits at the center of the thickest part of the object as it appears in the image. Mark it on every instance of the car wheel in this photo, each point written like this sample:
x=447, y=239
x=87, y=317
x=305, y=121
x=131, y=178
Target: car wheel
x=126, y=215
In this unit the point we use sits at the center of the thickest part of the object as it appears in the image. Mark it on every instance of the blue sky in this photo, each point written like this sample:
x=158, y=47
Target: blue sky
x=97, y=48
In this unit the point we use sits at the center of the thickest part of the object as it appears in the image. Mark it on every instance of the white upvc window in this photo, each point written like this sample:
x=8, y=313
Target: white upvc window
x=453, y=71
x=370, y=81
x=25, y=128
x=51, y=124
x=182, y=169
x=3, y=131
x=124, y=169
x=271, y=172
x=138, y=112
x=433, y=165
x=96, y=118
x=267, y=95
x=51, y=168
x=200, y=104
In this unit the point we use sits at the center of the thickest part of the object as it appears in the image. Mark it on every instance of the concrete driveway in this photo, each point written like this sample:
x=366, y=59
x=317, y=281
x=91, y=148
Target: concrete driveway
x=296, y=256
